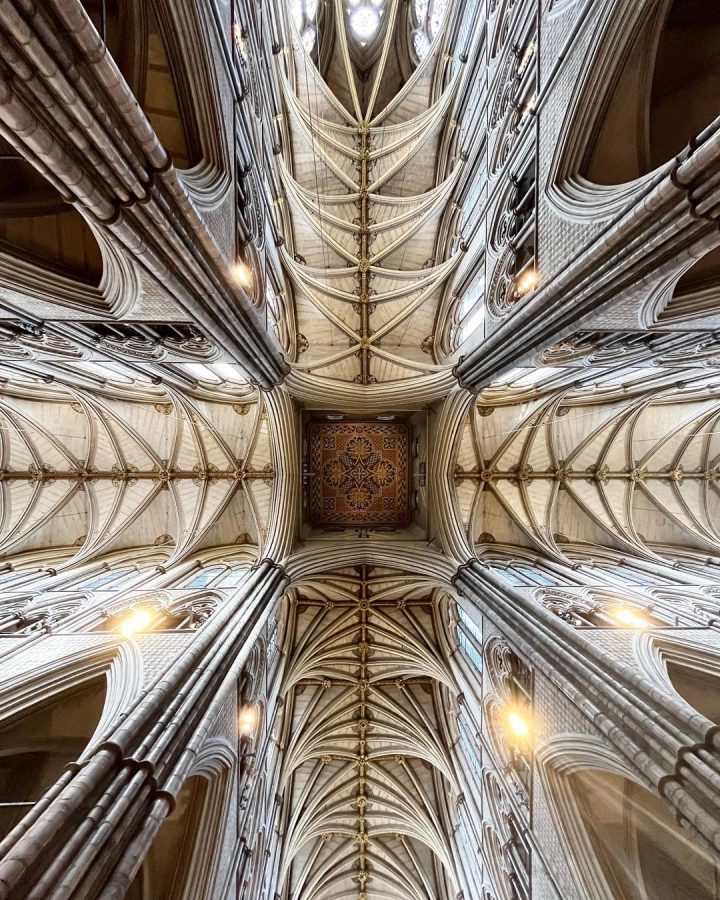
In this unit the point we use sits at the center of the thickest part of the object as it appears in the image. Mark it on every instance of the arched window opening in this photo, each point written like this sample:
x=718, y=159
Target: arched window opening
x=513, y=105
x=216, y=577
x=583, y=612
x=469, y=637
x=697, y=293
x=175, y=853
x=365, y=19
x=658, y=115
x=626, y=573
x=107, y=581
x=427, y=18
x=700, y=687
x=154, y=613
x=514, y=277
x=39, y=226
x=145, y=339
x=511, y=576
x=36, y=747
x=534, y=576
x=522, y=575
x=149, y=57
x=510, y=711
x=637, y=845
x=205, y=577
x=233, y=577
x=12, y=580
x=513, y=237
x=513, y=833
x=34, y=616
x=685, y=86
x=250, y=230
x=469, y=315
x=472, y=205
x=470, y=745
x=516, y=214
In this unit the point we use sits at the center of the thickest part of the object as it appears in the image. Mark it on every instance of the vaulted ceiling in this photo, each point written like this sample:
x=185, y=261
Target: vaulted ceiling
x=367, y=774
x=365, y=197
x=129, y=438
x=87, y=473
x=639, y=474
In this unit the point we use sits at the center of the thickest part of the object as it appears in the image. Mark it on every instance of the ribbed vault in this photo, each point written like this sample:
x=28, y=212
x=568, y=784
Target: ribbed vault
x=365, y=202
x=93, y=473
x=635, y=474
x=380, y=203
x=367, y=777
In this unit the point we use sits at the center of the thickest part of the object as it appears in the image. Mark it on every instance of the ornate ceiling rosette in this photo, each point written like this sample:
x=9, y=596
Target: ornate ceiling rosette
x=359, y=473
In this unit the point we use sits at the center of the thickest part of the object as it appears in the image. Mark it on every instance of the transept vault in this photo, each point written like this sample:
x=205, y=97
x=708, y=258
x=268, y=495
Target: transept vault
x=359, y=450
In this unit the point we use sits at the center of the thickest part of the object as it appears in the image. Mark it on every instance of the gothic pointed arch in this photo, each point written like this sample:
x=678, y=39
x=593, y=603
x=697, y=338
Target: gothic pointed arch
x=697, y=292
x=143, y=47
x=640, y=850
x=176, y=864
x=38, y=743
x=624, y=841
x=698, y=684
x=643, y=90
x=39, y=228
x=659, y=97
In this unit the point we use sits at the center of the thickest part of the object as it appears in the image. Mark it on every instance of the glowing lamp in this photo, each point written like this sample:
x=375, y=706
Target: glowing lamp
x=629, y=618
x=135, y=621
x=526, y=282
x=247, y=720
x=243, y=275
x=517, y=724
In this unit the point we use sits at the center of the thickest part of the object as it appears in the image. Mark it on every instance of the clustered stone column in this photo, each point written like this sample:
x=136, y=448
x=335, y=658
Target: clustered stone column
x=88, y=835
x=675, y=214
x=97, y=148
x=671, y=745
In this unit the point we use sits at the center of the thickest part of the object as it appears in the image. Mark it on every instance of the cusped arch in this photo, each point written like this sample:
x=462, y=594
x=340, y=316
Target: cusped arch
x=695, y=294
x=688, y=667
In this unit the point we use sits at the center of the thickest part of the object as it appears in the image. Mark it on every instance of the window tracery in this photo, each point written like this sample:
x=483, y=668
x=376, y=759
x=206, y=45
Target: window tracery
x=512, y=236
x=469, y=314
x=509, y=702
x=334, y=666
x=148, y=340
x=428, y=18
x=473, y=753
x=216, y=577
x=108, y=581
x=469, y=636
x=522, y=575
x=303, y=15
x=365, y=19
x=624, y=572
x=601, y=612
x=512, y=833
x=514, y=104
x=159, y=611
